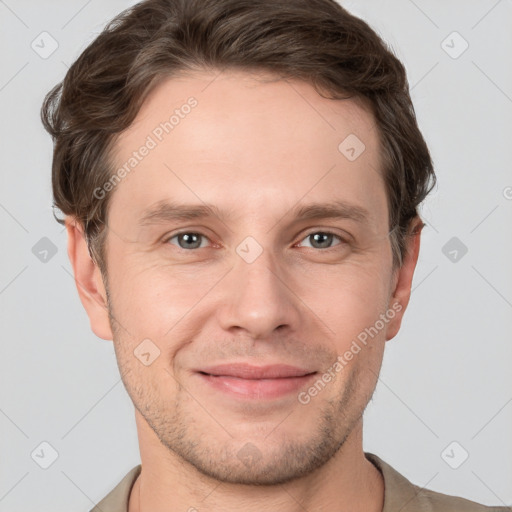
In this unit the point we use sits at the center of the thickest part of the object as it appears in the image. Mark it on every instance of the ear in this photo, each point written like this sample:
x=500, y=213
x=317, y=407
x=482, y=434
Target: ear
x=88, y=280
x=402, y=279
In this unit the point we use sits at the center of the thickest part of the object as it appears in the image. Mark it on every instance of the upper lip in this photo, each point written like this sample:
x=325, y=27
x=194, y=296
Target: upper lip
x=247, y=371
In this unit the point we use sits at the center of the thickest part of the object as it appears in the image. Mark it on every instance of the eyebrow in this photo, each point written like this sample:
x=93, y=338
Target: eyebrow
x=168, y=211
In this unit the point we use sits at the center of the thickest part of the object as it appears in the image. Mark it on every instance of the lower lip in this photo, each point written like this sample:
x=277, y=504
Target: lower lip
x=257, y=388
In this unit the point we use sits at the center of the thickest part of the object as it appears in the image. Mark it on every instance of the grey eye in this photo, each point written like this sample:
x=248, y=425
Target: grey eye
x=322, y=240
x=188, y=240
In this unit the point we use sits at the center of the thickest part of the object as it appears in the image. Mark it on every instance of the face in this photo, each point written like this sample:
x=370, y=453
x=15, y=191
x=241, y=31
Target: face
x=250, y=233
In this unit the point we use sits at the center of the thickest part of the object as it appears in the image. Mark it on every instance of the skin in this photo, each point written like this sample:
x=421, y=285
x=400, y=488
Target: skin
x=256, y=149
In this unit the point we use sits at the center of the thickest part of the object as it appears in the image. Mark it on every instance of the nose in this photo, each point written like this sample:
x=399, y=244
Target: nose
x=257, y=298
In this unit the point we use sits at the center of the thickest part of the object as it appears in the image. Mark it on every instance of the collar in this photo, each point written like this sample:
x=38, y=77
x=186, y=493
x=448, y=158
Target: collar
x=399, y=493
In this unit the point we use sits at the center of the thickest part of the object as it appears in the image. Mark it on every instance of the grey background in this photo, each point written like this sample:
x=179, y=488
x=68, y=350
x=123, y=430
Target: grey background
x=446, y=377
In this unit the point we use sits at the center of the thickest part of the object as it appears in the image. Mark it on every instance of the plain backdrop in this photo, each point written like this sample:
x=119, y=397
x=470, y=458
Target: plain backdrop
x=445, y=391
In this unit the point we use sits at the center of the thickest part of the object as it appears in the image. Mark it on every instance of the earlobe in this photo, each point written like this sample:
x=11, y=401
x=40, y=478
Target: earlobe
x=403, y=278
x=88, y=280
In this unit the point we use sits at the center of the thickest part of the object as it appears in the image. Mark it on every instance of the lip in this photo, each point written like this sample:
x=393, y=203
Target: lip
x=248, y=371
x=255, y=382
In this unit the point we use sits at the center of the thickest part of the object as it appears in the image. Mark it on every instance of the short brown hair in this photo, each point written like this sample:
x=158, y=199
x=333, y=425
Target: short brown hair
x=317, y=41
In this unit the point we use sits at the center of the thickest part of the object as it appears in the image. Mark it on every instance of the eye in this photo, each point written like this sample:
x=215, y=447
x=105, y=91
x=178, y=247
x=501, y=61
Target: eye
x=323, y=240
x=188, y=240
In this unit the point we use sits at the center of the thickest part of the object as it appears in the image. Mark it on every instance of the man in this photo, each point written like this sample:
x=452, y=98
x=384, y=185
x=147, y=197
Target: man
x=241, y=182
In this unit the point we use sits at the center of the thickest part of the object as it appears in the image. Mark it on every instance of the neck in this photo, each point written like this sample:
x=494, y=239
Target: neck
x=347, y=482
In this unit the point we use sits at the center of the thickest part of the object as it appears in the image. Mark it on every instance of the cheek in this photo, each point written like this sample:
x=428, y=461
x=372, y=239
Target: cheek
x=348, y=297
x=151, y=299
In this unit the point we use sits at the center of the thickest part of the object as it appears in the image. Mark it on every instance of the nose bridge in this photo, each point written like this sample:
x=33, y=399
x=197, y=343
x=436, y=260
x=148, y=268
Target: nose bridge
x=255, y=296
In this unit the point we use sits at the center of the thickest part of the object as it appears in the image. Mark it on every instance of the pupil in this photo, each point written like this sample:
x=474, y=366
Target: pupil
x=326, y=238
x=189, y=239
x=321, y=239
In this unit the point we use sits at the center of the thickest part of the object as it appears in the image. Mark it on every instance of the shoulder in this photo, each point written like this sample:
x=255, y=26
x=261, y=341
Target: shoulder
x=401, y=494
x=438, y=502
x=117, y=500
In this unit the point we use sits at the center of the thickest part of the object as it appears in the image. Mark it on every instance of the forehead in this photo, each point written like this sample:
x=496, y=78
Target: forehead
x=236, y=139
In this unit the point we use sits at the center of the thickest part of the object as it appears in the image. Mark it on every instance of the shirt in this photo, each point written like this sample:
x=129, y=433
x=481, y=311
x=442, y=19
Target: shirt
x=400, y=495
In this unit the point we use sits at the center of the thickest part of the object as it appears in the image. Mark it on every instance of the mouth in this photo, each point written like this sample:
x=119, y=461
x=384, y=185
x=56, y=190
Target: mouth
x=255, y=382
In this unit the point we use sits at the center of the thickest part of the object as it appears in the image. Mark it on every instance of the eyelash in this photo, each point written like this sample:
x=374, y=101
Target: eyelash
x=342, y=240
